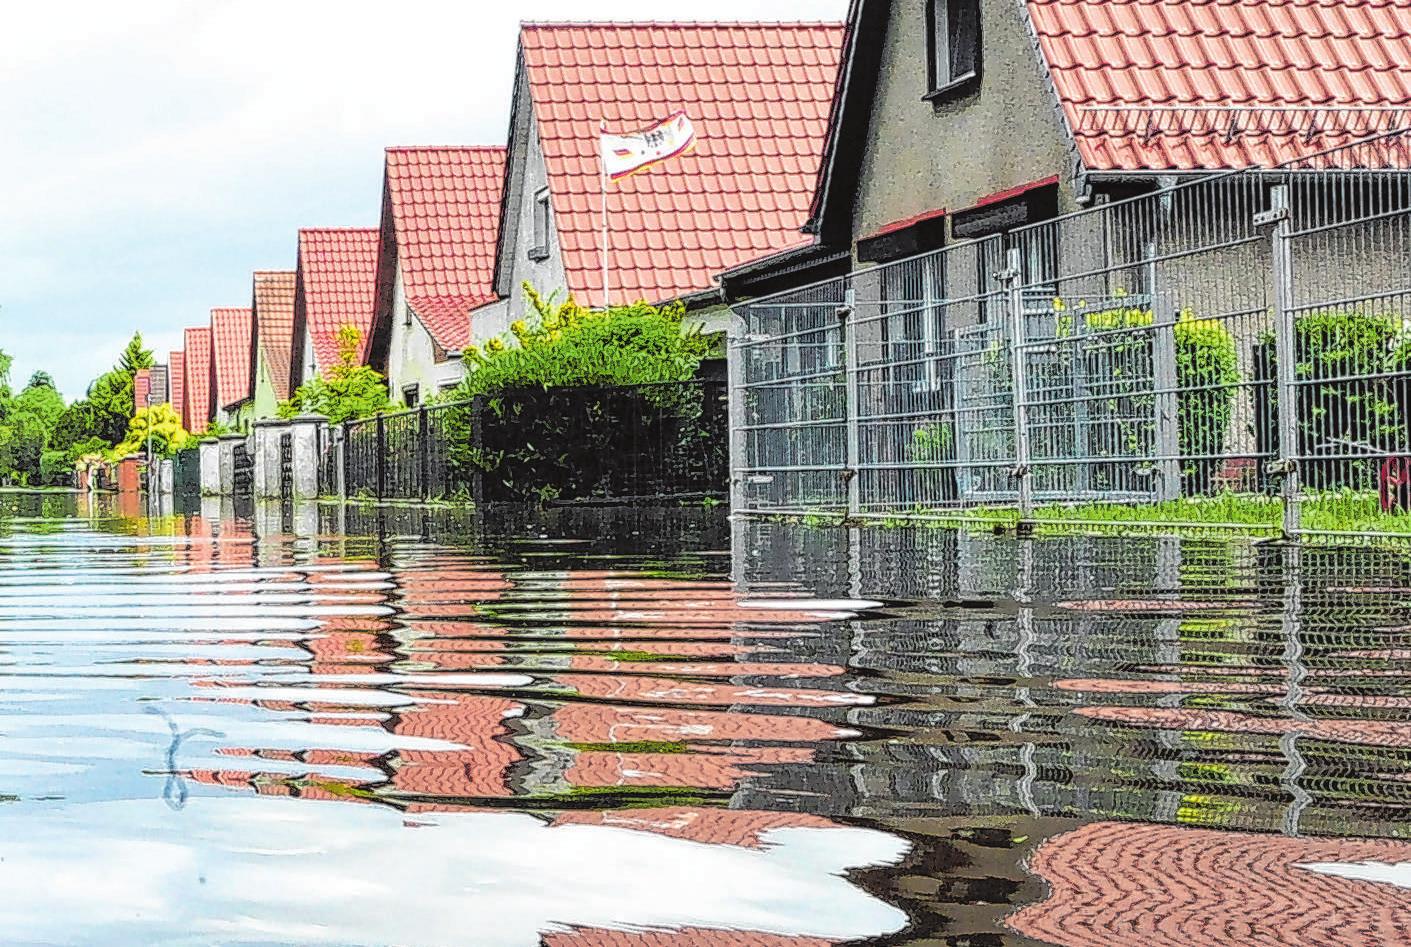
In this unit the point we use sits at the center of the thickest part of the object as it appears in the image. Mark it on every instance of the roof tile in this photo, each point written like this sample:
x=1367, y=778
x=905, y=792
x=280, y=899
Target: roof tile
x=755, y=92
x=446, y=219
x=230, y=345
x=1273, y=53
x=273, y=317
x=198, y=379
x=336, y=286
x=176, y=362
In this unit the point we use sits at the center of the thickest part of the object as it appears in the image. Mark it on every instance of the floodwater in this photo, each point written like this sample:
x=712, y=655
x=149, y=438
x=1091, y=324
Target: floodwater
x=660, y=729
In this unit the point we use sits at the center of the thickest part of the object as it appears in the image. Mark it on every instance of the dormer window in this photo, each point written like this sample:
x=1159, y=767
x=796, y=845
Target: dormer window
x=539, y=249
x=952, y=45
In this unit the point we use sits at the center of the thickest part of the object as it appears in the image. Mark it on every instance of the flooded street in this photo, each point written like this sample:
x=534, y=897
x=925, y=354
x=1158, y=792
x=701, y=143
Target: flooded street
x=660, y=729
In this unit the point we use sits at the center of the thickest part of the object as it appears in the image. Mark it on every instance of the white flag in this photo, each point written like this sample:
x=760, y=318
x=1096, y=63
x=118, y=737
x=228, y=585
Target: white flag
x=625, y=155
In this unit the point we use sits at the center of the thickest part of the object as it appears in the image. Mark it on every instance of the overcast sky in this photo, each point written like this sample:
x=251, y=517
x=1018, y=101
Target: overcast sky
x=155, y=153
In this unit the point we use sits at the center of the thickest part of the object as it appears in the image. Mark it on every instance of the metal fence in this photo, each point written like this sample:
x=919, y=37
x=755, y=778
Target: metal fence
x=1232, y=351
x=665, y=441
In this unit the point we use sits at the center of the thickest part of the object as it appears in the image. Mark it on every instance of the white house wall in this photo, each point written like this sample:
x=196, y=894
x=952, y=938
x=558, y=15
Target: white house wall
x=411, y=355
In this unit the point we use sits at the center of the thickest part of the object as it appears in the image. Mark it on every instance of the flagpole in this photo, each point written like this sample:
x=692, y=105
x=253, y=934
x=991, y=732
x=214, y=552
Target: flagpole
x=603, y=168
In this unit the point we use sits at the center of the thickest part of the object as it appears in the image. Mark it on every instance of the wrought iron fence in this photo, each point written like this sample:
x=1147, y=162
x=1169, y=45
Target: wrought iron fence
x=614, y=444
x=1232, y=351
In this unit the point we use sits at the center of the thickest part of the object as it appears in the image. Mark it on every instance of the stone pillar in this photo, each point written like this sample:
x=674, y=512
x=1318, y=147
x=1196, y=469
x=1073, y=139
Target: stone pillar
x=265, y=439
x=307, y=430
x=227, y=463
x=210, y=467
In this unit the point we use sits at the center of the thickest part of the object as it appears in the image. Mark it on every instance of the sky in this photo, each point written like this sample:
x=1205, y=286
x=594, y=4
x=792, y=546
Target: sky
x=157, y=153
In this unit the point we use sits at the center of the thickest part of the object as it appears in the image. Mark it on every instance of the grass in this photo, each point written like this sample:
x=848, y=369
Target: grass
x=1336, y=513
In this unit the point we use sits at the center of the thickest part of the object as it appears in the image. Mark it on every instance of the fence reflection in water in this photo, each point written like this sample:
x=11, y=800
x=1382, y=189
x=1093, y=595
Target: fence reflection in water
x=1137, y=353
x=654, y=441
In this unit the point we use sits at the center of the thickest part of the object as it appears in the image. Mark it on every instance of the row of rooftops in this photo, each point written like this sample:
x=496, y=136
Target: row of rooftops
x=766, y=100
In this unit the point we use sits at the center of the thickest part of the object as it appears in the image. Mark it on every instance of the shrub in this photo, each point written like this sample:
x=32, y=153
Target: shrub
x=350, y=391
x=1347, y=399
x=542, y=443
x=1207, y=369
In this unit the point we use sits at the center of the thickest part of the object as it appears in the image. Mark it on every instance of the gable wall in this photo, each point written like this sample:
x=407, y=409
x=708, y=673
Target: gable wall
x=922, y=156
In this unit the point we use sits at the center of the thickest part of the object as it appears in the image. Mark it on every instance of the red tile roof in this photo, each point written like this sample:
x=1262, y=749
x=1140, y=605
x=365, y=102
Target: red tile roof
x=274, y=325
x=230, y=340
x=336, y=287
x=176, y=361
x=141, y=388
x=198, y=379
x=759, y=96
x=1134, y=54
x=444, y=205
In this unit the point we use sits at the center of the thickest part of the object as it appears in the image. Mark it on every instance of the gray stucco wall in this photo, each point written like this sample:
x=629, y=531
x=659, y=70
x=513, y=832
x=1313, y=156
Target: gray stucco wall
x=526, y=180
x=922, y=156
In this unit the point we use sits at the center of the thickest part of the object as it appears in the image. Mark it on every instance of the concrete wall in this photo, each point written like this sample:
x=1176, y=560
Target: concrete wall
x=547, y=276
x=411, y=355
x=922, y=156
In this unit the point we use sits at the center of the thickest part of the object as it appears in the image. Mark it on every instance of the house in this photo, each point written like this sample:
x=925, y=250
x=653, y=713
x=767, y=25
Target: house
x=335, y=286
x=440, y=217
x=196, y=389
x=230, y=366
x=272, y=345
x=993, y=168
x=758, y=96
x=176, y=372
x=957, y=119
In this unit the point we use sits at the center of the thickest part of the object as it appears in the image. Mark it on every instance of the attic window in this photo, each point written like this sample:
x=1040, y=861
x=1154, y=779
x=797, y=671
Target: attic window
x=952, y=44
x=539, y=250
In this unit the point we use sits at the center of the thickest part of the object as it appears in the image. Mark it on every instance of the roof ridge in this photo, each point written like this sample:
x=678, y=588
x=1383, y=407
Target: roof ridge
x=337, y=229
x=679, y=24
x=273, y=272
x=445, y=148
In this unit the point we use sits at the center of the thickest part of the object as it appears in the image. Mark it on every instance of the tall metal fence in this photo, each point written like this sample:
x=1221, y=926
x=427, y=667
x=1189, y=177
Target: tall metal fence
x=1233, y=351
x=665, y=441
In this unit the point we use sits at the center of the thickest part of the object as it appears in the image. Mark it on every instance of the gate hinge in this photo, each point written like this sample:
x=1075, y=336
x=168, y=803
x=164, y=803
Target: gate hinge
x=1281, y=466
x=1004, y=276
x=1271, y=216
x=1020, y=471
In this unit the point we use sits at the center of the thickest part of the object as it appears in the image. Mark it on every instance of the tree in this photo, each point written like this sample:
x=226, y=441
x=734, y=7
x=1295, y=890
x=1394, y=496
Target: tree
x=351, y=390
x=135, y=356
x=161, y=424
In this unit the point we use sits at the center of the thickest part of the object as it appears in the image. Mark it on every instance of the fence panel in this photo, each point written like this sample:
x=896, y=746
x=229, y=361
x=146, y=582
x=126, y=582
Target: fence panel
x=615, y=444
x=1235, y=350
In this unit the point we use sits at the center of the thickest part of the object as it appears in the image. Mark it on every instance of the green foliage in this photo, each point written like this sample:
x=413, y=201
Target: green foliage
x=550, y=441
x=27, y=423
x=1207, y=371
x=1349, y=399
x=567, y=345
x=350, y=391
x=157, y=426
x=135, y=356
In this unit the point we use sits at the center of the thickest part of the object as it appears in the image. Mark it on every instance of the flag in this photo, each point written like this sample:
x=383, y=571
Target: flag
x=625, y=155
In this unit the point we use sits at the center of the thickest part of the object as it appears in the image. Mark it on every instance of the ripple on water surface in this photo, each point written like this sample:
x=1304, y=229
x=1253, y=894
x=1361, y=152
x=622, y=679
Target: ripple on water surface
x=612, y=729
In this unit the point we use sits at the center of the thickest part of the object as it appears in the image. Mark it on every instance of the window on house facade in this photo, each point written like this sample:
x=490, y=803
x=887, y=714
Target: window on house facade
x=952, y=43
x=411, y=395
x=539, y=250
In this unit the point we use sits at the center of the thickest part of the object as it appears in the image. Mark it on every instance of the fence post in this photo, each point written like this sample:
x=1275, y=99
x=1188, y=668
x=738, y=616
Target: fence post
x=848, y=326
x=1286, y=349
x=345, y=460
x=423, y=451
x=381, y=453
x=1019, y=381
x=1167, y=401
x=735, y=393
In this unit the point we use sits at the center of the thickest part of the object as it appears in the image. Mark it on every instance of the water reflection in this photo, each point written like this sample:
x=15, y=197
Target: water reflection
x=640, y=728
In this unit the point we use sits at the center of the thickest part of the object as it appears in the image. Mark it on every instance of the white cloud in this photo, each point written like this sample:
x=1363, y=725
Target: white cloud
x=156, y=153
